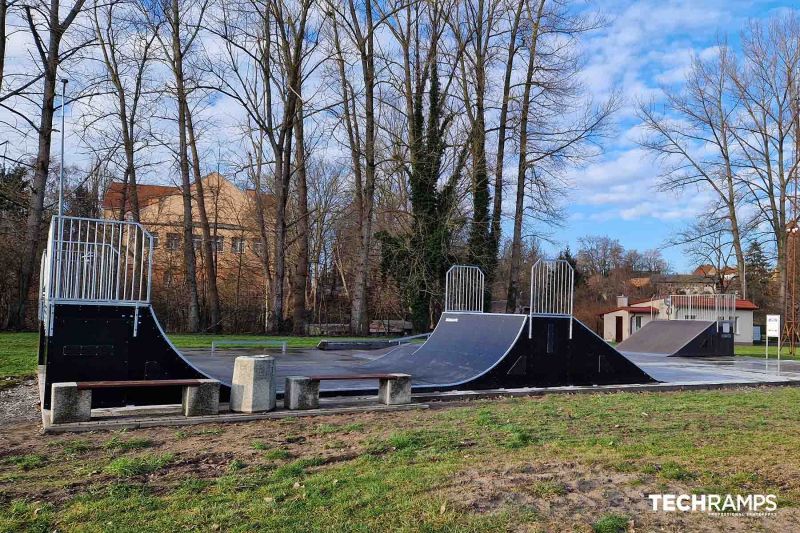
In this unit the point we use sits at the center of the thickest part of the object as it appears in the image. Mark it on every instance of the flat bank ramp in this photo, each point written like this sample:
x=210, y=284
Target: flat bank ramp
x=673, y=338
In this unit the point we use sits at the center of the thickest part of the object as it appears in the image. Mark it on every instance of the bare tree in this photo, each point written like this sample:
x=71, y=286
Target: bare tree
x=126, y=45
x=708, y=242
x=502, y=128
x=358, y=27
x=559, y=127
x=47, y=32
x=765, y=130
x=267, y=47
x=696, y=142
x=181, y=23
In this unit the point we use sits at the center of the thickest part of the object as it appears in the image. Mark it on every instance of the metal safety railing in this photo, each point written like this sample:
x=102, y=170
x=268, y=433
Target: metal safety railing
x=552, y=288
x=707, y=307
x=463, y=289
x=103, y=262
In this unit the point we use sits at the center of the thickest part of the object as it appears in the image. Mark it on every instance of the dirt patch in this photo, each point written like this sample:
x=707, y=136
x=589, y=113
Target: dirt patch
x=19, y=403
x=572, y=496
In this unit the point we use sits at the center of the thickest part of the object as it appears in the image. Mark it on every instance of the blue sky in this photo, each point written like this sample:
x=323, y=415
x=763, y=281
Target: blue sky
x=646, y=45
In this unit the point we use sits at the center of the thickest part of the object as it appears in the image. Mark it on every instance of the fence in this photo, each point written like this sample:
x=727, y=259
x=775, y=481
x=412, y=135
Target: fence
x=103, y=262
x=708, y=307
x=463, y=289
x=552, y=287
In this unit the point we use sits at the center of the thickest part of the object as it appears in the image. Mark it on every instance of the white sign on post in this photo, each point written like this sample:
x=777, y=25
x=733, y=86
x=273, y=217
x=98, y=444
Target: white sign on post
x=773, y=330
x=773, y=325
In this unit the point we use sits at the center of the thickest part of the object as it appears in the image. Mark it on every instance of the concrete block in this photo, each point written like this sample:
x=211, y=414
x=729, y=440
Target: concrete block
x=395, y=391
x=301, y=393
x=253, y=385
x=68, y=404
x=201, y=400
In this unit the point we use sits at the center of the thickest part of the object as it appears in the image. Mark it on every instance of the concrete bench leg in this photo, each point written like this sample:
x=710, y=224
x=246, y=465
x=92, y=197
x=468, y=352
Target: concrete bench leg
x=68, y=404
x=301, y=393
x=395, y=391
x=253, y=386
x=202, y=399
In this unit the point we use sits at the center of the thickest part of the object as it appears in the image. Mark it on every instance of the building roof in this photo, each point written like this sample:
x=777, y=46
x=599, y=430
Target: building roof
x=635, y=309
x=147, y=194
x=741, y=305
x=708, y=302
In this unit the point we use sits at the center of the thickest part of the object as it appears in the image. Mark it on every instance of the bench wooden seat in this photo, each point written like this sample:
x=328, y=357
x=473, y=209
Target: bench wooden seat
x=72, y=401
x=345, y=377
x=139, y=383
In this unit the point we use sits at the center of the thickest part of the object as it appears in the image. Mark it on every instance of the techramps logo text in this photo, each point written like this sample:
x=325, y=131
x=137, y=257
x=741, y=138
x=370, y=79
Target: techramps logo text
x=716, y=504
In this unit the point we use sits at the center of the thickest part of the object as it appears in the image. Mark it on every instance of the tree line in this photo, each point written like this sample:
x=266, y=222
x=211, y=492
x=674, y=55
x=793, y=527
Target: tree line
x=413, y=117
x=732, y=132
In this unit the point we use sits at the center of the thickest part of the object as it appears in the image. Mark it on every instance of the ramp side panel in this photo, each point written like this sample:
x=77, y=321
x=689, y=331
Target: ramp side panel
x=96, y=342
x=550, y=358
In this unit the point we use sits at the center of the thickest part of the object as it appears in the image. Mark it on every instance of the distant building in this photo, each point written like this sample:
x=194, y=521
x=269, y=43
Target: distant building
x=627, y=318
x=236, y=238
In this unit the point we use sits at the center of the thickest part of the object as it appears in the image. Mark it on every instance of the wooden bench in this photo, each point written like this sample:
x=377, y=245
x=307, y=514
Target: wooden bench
x=72, y=402
x=302, y=392
x=139, y=383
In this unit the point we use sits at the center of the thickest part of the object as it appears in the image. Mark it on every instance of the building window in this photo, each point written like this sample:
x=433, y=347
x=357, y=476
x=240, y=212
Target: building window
x=638, y=322
x=197, y=241
x=258, y=247
x=173, y=241
x=237, y=245
x=218, y=244
x=155, y=239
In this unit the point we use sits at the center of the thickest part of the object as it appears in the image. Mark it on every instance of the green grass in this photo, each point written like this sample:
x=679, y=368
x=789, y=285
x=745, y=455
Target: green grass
x=424, y=470
x=137, y=466
x=611, y=523
x=759, y=351
x=18, y=356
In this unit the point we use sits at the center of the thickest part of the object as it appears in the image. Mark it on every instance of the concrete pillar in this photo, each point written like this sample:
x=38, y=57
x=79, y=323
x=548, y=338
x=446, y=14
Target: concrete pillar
x=301, y=393
x=253, y=386
x=68, y=404
x=395, y=391
x=202, y=399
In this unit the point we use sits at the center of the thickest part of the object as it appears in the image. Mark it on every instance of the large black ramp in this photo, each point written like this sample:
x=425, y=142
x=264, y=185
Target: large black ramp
x=113, y=342
x=681, y=338
x=487, y=350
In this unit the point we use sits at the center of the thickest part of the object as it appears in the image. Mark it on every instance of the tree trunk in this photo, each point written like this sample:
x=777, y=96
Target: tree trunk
x=33, y=224
x=209, y=261
x=359, y=318
x=301, y=264
x=189, y=259
x=497, y=206
x=480, y=249
x=522, y=167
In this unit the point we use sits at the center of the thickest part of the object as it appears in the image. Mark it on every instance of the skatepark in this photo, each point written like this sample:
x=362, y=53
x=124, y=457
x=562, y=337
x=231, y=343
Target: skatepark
x=100, y=334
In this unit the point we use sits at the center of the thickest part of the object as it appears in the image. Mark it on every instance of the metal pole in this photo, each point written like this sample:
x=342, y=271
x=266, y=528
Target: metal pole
x=61, y=173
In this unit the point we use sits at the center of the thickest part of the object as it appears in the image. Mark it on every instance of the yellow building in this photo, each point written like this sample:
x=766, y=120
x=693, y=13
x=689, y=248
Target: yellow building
x=236, y=238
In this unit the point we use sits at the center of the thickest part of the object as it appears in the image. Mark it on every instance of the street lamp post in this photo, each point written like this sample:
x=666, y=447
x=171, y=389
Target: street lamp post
x=61, y=172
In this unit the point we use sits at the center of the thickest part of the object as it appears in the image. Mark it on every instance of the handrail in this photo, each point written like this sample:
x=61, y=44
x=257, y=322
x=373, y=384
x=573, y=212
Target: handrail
x=99, y=261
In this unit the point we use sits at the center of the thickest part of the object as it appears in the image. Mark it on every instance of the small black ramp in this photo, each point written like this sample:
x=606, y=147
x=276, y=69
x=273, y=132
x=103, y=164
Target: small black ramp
x=681, y=338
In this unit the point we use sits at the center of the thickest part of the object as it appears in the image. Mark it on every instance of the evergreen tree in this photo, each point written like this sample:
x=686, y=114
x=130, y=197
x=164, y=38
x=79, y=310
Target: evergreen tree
x=759, y=274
